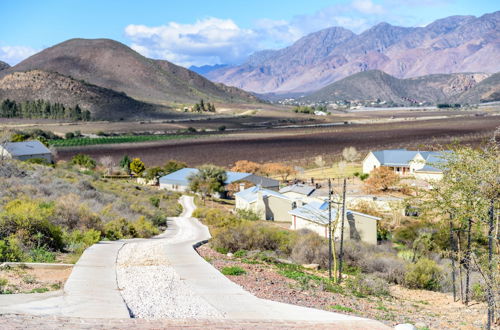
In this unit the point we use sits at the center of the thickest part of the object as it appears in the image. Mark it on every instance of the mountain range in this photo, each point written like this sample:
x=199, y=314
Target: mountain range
x=103, y=68
x=450, y=45
x=436, y=88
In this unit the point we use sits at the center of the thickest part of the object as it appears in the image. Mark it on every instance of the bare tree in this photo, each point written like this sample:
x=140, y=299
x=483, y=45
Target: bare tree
x=108, y=163
x=350, y=154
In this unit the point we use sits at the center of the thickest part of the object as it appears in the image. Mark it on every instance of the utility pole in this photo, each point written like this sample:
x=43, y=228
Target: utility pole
x=341, y=254
x=330, y=229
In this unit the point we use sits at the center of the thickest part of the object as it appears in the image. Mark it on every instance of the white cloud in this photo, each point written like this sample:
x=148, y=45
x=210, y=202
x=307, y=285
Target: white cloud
x=15, y=54
x=367, y=7
x=207, y=41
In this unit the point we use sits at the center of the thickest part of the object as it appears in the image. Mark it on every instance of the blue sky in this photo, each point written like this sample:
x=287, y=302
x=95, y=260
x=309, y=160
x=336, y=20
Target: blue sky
x=205, y=32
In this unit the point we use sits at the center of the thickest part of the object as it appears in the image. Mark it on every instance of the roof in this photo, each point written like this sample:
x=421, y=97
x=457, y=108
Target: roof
x=299, y=189
x=181, y=177
x=316, y=211
x=433, y=159
x=34, y=147
x=429, y=168
x=250, y=194
x=395, y=157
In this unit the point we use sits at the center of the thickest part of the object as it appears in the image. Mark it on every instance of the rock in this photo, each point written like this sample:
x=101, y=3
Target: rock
x=311, y=266
x=405, y=326
x=420, y=325
x=230, y=255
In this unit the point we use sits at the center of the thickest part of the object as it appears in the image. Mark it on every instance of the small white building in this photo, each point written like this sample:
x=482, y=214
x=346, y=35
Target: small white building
x=314, y=216
x=268, y=204
x=25, y=150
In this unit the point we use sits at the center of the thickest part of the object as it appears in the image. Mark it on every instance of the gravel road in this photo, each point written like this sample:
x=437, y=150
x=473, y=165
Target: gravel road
x=152, y=289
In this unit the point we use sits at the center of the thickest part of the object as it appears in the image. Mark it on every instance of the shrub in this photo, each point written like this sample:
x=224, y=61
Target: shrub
x=390, y=268
x=235, y=271
x=144, y=228
x=41, y=254
x=77, y=241
x=478, y=292
x=11, y=250
x=364, y=285
x=310, y=248
x=424, y=274
x=155, y=201
x=381, y=179
x=247, y=215
x=84, y=161
x=118, y=229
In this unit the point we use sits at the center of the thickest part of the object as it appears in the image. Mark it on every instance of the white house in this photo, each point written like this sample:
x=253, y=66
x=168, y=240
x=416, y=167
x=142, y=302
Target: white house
x=314, y=216
x=420, y=164
x=397, y=160
x=179, y=180
x=25, y=150
x=268, y=204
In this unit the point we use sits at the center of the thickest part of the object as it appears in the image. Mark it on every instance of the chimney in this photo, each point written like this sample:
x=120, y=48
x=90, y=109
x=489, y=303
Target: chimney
x=242, y=186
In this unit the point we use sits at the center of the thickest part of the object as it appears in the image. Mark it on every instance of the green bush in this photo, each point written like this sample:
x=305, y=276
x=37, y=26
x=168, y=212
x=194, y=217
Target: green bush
x=84, y=161
x=478, y=292
x=247, y=215
x=11, y=249
x=424, y=274
x=41, y=254
x=155, y=201
x=77, y=240
x=235, y=271
x=118, y=229
x=144, y=228
x=240, y=253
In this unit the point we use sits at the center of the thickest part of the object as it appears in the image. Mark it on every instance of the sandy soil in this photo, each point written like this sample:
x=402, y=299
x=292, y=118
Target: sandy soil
x=28, y=280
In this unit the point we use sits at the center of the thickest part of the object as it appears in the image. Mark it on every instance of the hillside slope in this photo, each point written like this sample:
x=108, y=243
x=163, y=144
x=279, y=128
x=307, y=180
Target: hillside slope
x=438, y=88
x=113, y=65
x=3, y=66
x=450, y=45
x=101, y=102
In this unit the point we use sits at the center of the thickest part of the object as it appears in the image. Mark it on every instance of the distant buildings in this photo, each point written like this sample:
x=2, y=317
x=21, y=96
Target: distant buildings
x=25, y=150
x=179, y=180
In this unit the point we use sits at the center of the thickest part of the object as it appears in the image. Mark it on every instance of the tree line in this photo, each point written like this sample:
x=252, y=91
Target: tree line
x=41, y=109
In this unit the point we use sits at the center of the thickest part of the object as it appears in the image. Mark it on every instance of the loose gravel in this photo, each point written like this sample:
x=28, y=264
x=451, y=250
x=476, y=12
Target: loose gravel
x=152, y=289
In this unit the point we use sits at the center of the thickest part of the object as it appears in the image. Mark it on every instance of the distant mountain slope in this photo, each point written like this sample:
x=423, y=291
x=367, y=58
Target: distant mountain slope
x=449, y=45
x=487, y=90
x=438, y=88
x=204, y=69
x=3, y=66
x=113, y=65
x=101, y=102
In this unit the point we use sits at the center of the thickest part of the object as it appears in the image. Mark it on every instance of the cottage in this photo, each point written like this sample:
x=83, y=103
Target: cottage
x=25, y=150
x=421, y=164
x=314, y=216
x=179, y=180
x=397, y=160
x=268, y=204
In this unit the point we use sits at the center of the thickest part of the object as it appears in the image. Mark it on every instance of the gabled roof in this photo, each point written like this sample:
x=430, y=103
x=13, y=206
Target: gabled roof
x=181, y=177
x=317, y=212
x=299, y=189
x=395, y=157
x=34, y=147
x=250, y=194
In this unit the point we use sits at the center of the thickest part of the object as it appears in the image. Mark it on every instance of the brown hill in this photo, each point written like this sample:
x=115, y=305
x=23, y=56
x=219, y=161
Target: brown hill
x=101, y=102
x=113, y=65
x=437, y=88
x=450, y=45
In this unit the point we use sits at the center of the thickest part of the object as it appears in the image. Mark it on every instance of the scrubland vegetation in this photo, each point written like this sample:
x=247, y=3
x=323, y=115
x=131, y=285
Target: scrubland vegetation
x=53, y=213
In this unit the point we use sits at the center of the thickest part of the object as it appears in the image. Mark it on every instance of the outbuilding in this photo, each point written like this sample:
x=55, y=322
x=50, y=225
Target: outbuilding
x=25, y=150
x=314, y=216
